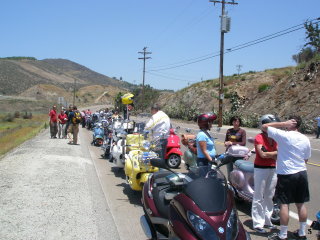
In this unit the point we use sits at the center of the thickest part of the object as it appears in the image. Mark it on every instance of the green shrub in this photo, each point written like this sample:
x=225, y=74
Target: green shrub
x=17, y=114
x=263, y=87
x=8, y=118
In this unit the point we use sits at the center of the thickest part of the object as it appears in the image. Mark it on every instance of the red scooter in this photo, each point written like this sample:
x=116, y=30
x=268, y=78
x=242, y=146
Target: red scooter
x=196, y=205
x=173, y=152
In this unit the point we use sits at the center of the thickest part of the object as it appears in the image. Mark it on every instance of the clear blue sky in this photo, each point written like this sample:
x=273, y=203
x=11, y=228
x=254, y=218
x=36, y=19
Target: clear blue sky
x=106, y=35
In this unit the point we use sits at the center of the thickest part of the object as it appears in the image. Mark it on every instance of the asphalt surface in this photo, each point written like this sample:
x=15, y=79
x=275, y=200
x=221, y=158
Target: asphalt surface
x=52, y=190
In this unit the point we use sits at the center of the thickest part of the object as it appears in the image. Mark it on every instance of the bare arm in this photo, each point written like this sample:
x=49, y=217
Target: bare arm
x=263, y=154
x=287, y=124
x=203, y=147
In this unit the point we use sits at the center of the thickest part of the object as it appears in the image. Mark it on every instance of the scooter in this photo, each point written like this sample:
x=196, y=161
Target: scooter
x=98, y=135
x=242, y=177
x=137, y=163
x=173, y=153
x=197, y=205
x=118, y=149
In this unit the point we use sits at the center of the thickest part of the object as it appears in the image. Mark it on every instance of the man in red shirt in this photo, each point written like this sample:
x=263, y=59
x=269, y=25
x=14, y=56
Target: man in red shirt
x=62, y=119
x=53, y=122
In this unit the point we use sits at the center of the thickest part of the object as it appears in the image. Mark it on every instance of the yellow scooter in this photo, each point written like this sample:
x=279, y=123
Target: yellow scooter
x=137, y=162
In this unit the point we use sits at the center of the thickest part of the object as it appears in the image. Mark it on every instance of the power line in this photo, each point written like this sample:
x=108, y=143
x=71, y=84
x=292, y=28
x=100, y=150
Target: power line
x=235, y=48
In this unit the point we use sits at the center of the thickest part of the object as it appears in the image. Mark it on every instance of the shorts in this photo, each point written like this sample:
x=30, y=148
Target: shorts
x=202, y=162
x=293, y=188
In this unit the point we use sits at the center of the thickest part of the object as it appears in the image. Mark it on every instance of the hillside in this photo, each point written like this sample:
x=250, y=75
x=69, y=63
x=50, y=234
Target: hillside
x=16, y=76
x=281, y=92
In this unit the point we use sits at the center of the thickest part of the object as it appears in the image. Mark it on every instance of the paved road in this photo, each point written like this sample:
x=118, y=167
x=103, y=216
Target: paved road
x=51, y=190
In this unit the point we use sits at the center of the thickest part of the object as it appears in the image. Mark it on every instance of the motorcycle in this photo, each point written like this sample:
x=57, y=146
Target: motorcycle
x=98, y=135
x=242, y=177
x=173, y=153
x=137, y=163
x=196, y=205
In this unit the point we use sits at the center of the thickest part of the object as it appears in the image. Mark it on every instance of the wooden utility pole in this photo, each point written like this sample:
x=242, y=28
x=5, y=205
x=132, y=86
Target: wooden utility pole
x=225, y=27
x=74, y=92
x=144, y=67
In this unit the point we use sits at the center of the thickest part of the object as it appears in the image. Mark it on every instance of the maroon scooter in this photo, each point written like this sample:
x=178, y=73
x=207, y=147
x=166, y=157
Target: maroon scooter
x=196, y=205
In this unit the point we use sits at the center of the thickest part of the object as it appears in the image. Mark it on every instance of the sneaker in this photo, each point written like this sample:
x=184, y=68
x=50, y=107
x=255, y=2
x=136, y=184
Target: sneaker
x=275, y=236
x=297, y=236
x=271, y=227
x=260, y=230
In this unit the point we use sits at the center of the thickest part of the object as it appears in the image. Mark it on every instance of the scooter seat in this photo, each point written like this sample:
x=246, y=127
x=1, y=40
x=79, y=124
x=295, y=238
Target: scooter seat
x=244, y=165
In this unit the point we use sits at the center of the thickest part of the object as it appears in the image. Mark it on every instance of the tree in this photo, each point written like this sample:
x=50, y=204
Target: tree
x=305, y=55
x=313, y=35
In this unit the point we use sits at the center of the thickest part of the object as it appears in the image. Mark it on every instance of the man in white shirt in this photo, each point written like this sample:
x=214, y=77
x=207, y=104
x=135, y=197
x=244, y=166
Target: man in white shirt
x=293, y=152
x=159, y=125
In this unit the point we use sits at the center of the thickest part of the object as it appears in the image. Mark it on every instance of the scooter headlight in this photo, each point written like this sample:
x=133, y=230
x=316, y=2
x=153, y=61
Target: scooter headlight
x=232, y=225
x=202, y=227
x=146, y=145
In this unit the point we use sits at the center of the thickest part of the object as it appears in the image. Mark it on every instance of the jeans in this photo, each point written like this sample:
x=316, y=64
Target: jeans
x=318, y=132
x=62, y=130
x=162, y=151
x=53, y=129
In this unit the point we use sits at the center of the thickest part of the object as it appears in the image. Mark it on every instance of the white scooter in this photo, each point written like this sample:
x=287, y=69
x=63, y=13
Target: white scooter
x=118, y=147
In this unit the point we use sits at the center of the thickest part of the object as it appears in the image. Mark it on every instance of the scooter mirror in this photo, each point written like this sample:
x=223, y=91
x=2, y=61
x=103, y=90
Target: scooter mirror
x=158, y=162
x=188, y=130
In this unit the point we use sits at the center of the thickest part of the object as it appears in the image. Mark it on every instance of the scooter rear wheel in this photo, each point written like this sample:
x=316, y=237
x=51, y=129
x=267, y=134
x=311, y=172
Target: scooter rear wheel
x=174, y=161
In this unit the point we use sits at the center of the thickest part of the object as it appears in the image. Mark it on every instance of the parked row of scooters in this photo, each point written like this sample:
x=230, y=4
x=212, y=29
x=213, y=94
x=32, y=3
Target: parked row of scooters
x=126, y=144
x=198, y=204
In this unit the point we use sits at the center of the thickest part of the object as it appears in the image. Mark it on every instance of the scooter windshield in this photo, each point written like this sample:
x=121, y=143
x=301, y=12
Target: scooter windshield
x=208, y=189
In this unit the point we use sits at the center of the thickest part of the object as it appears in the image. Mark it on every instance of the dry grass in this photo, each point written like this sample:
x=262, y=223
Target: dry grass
x=12, y=134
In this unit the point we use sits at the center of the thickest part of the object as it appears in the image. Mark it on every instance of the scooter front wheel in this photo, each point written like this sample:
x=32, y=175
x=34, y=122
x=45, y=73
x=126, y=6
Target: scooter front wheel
x=174, y=161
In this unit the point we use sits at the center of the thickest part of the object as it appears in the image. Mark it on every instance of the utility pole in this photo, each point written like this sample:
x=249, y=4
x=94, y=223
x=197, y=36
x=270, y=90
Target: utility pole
x=74, y=92
x=225, y=27
x=239, y=69
x=145, y=53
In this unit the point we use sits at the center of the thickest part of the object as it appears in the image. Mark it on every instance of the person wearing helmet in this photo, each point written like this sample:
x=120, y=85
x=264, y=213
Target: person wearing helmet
x=205, y=143
x=265, y=178
x=234, y=136
x=292, y=186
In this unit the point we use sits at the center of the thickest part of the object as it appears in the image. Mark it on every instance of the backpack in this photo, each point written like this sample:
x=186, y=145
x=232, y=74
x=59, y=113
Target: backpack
x=76, y=118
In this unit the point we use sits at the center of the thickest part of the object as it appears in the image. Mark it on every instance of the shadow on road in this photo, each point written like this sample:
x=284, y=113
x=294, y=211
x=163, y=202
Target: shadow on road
x=134, y=197
x=118, y=172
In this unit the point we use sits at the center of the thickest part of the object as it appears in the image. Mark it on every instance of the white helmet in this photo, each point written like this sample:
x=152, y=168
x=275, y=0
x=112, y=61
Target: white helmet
x=268, y=118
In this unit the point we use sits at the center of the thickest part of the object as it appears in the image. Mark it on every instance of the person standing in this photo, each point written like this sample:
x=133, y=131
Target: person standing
x=234, y=136
x=53, y=122
x=292, y=187
x=62, y=119
x=206, y=150
x=317, y=119
x=265, y=178
x=159, y=125
x=73, y=129
x=68, y=121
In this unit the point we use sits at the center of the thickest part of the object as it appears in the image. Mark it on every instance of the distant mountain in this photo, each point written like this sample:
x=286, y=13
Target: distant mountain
x=19, y=74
